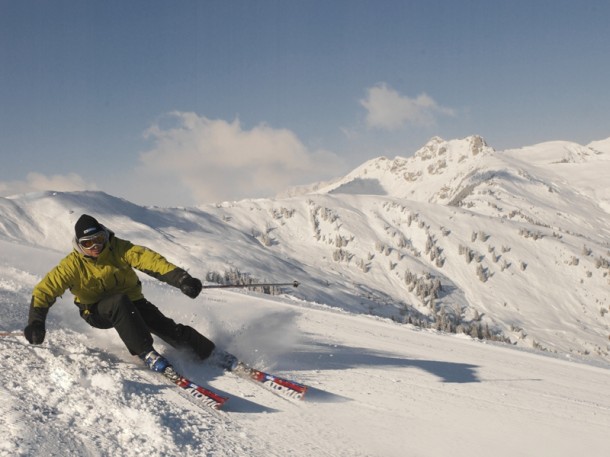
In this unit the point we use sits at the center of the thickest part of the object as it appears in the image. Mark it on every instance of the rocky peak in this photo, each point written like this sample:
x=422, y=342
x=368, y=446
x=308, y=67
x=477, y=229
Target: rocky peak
x=456, y=149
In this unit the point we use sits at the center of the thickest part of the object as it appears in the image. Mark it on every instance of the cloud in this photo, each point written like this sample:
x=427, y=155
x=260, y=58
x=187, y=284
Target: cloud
x=388, y=110
x=216, y=160
x=37, y=182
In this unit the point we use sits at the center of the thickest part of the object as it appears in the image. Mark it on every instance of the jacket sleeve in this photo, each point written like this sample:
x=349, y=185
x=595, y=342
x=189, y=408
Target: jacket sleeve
x=53, y=285
x=152, y=263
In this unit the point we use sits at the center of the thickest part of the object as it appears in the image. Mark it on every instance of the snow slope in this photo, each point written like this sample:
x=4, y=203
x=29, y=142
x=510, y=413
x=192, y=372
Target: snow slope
x=459, y=239
x=378, y=388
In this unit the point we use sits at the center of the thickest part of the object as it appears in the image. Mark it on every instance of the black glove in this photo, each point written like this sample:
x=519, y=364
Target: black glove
x=35, y=332
x=190, y=286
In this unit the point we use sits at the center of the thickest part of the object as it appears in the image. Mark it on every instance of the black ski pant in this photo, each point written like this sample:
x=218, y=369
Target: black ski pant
x=137, y=321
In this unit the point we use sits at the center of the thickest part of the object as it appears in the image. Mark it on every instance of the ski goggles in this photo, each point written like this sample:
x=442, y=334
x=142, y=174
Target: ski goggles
x=91, y=241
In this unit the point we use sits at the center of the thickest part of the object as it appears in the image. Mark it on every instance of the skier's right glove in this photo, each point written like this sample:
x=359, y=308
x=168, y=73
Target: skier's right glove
x=190, y=286
x=35, y=332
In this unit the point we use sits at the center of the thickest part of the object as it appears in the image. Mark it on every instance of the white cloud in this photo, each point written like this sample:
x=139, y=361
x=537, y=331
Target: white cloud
x=388, y=110
x=36, y=182
x=216, y=160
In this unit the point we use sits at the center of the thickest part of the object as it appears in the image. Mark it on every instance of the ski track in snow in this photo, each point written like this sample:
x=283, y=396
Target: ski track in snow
x=87, y=402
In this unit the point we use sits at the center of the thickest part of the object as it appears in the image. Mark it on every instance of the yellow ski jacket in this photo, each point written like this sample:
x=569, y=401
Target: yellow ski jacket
x=112, y=272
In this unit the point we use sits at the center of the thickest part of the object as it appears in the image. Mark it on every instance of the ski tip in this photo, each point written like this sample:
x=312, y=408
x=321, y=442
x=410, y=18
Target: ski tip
x=300, y=393
x=215, y=402
x=219, y=404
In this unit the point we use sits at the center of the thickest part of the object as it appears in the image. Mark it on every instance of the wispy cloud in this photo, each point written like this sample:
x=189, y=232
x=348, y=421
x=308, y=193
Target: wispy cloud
x=213, y=159
x=36, y=182
x=196, y=160
x=388, y=110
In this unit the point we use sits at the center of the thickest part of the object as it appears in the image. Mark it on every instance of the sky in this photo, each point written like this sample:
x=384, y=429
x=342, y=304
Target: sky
x=191, y=102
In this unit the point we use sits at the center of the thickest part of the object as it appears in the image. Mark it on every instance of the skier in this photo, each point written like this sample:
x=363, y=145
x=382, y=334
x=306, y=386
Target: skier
x=100, y=274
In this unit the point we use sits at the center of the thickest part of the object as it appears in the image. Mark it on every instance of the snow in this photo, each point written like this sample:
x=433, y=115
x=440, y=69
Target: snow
x=378, y=386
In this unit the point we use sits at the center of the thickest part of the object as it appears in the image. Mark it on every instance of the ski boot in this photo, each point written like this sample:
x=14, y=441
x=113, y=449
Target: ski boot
x=224, y=359
x=156, y=362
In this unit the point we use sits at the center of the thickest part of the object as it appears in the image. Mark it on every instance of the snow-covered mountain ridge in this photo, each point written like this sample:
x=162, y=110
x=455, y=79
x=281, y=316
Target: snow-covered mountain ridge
x=460, y=237
x=471, y=174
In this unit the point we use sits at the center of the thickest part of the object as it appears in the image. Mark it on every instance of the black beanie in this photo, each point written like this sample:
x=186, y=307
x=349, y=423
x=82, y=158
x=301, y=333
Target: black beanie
x=87, y=225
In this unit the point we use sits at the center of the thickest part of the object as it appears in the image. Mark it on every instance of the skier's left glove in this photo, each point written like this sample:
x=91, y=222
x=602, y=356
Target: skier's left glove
x=35, y=332
x=190, y=286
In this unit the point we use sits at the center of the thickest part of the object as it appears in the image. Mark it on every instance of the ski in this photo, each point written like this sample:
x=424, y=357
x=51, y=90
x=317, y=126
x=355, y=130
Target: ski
x=281, y=386
x=202, y=395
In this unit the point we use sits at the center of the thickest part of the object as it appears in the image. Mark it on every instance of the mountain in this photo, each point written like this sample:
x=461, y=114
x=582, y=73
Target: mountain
x=518, y=240
x=406, y=266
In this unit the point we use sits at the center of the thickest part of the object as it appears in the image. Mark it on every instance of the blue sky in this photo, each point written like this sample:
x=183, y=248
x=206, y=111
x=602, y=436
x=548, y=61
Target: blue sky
x=186, y=102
